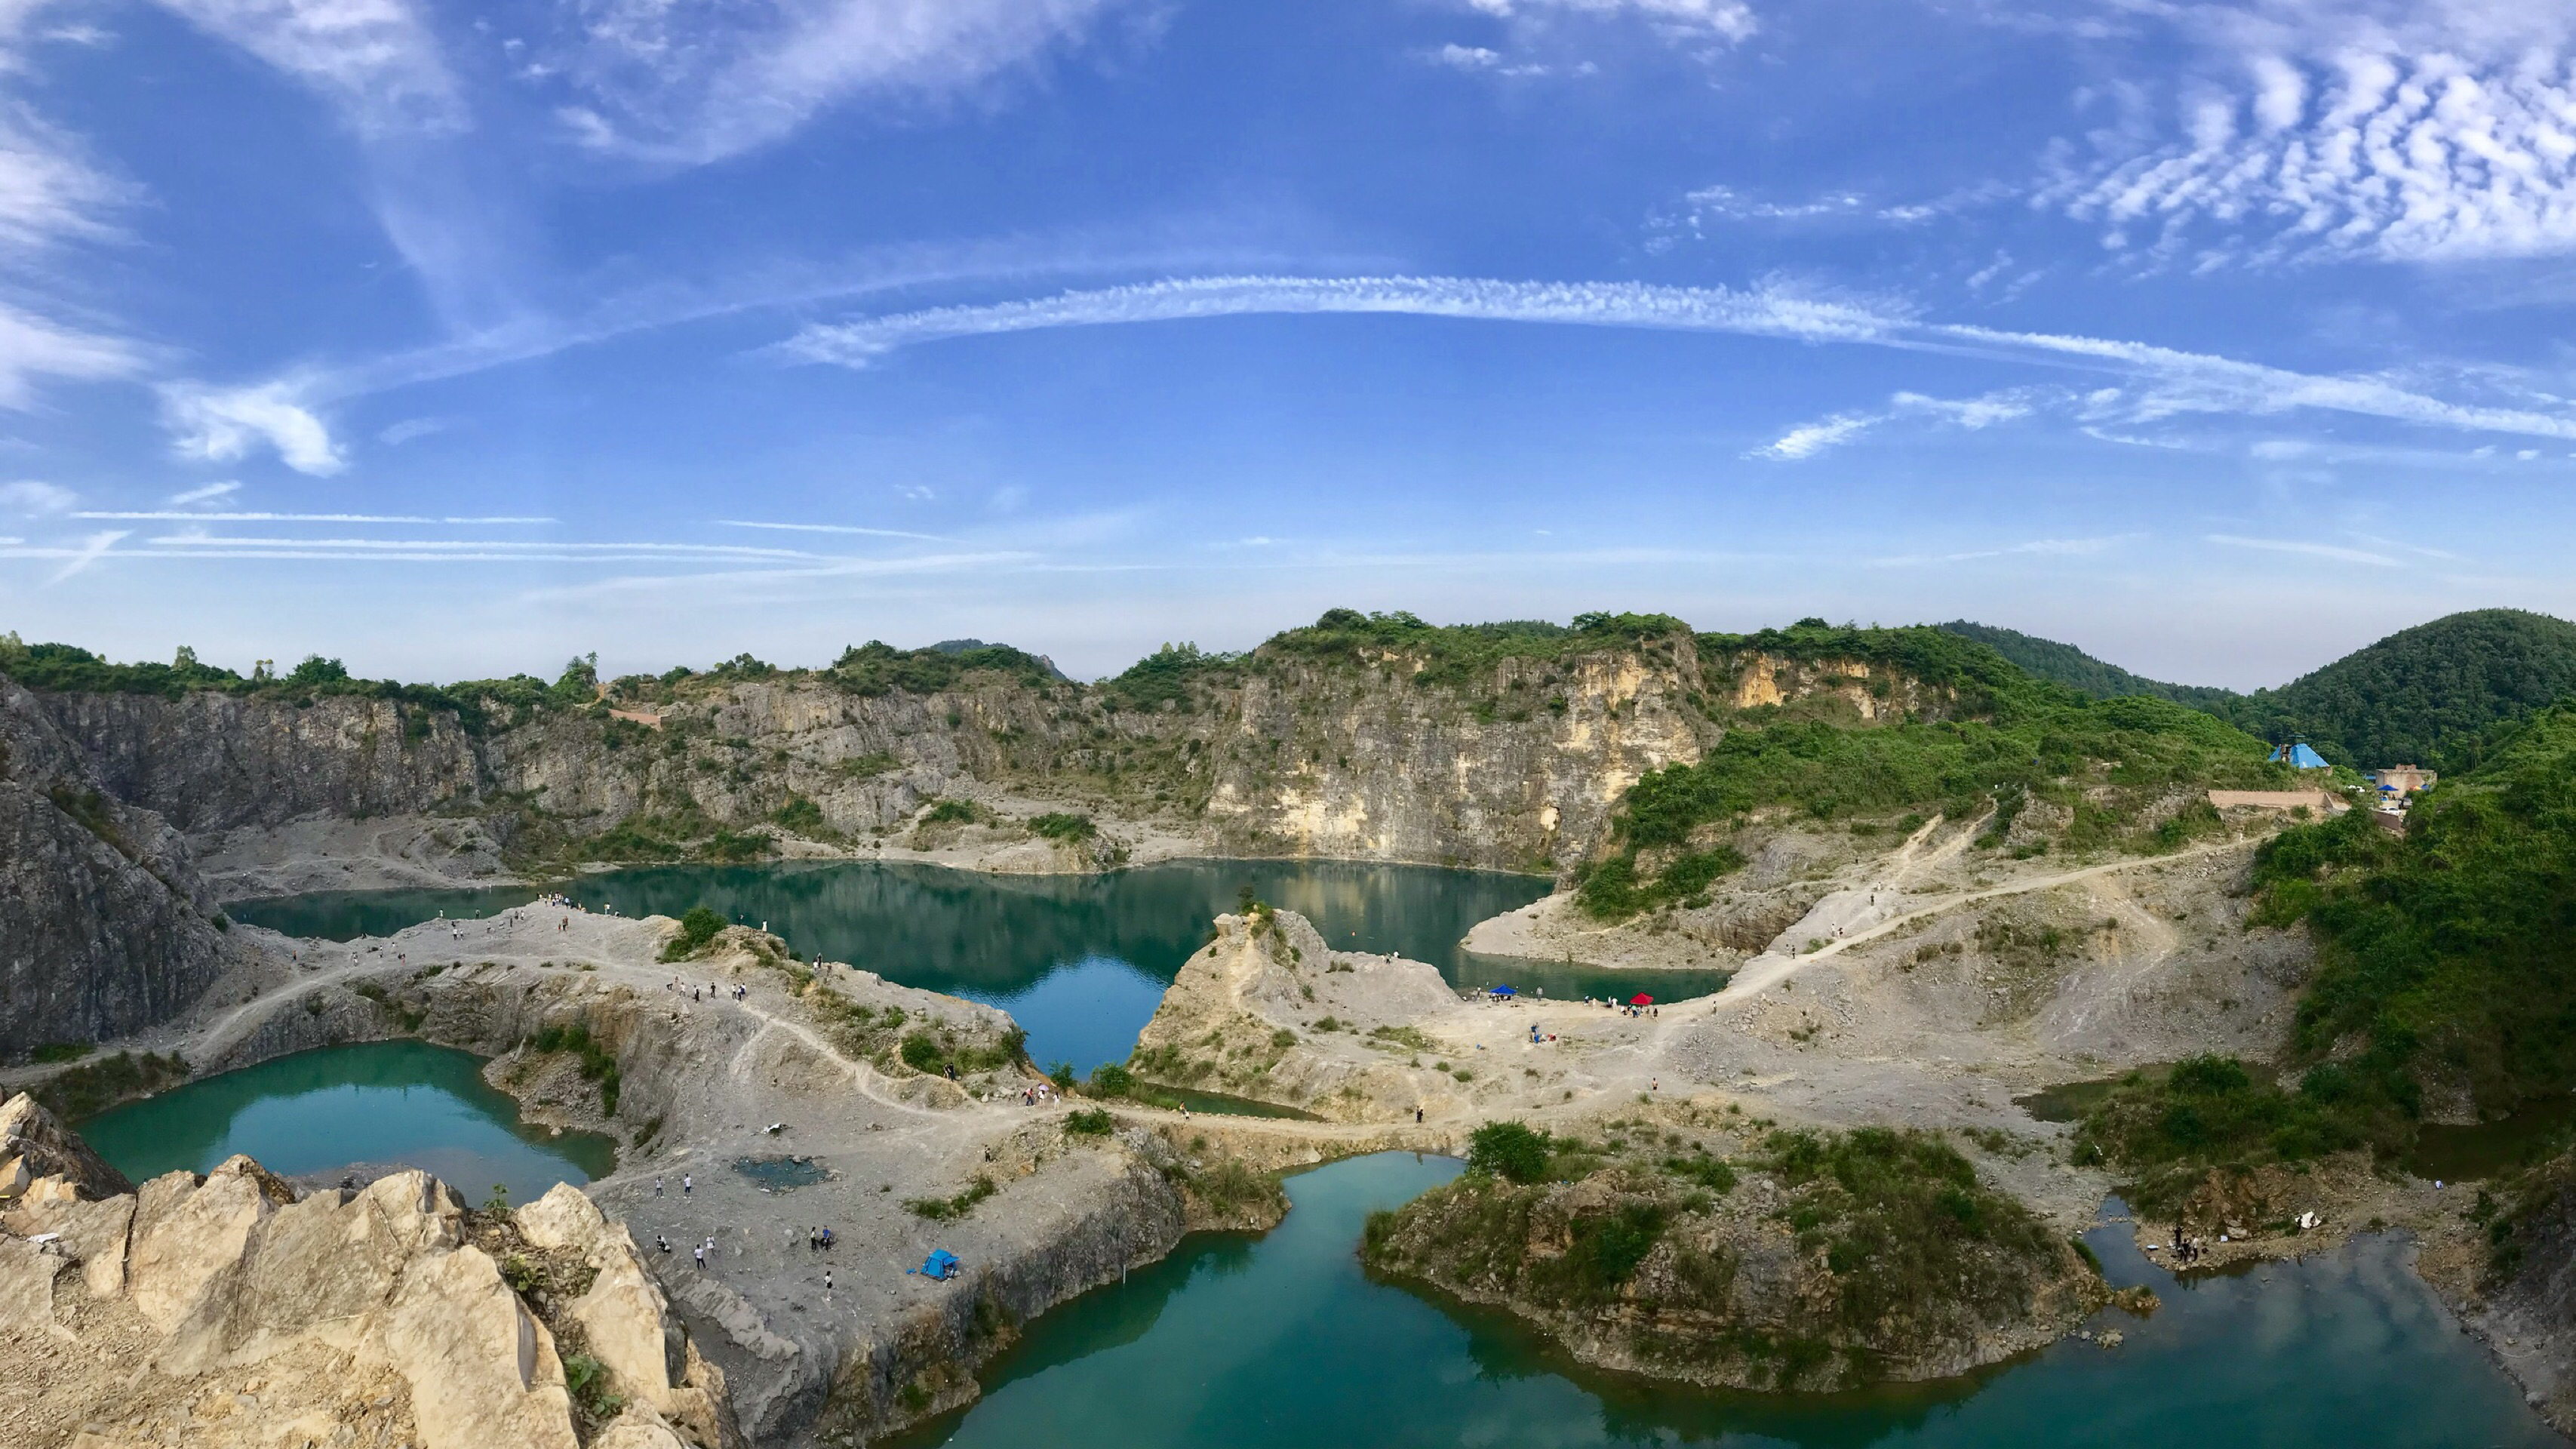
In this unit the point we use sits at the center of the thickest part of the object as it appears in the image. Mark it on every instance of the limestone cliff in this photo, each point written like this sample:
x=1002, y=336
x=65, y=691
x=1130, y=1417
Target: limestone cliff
x=1401, y=752
x=104, y=925
x=227, y=1311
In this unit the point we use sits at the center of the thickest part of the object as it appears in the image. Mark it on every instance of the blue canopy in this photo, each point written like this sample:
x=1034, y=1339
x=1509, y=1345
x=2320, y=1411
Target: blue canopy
x=1504, y=991
x=941, y=1265
x=2300, y=757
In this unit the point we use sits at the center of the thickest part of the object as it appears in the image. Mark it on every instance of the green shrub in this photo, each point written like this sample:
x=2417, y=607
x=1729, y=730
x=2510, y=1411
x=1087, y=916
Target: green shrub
x=697, y=928
x=1094, y=1123
x=944, y=812
x=923, y=1053
x=1067, y=829
x=1111, y=1080
x=1510, y=1150
x=63, y=1051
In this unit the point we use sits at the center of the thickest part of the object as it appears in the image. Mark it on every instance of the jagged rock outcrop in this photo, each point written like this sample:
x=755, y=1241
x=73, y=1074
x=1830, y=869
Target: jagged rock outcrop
x=1822, y=1263
x=105, y=927
x=34, y=1145
x=1268, y=1011
x=228, y=1311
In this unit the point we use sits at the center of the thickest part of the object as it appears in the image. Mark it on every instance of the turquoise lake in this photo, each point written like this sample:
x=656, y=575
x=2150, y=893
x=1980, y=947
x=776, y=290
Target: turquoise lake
x=1079, y=961
x=406, y=1102
x=1246, y=1343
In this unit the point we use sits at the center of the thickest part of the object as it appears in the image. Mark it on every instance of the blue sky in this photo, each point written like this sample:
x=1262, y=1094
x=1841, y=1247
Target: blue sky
x=453, y=340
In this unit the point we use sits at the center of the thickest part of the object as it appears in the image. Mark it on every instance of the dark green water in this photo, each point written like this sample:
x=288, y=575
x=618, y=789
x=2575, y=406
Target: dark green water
x=401, y=1101
x=1238, y=1343
x=1080, y=961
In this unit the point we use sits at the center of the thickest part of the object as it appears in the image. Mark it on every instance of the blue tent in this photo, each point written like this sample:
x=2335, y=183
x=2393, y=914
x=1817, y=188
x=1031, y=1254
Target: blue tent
x=2300, y=757
x=1504, y=991
x=941, y=1265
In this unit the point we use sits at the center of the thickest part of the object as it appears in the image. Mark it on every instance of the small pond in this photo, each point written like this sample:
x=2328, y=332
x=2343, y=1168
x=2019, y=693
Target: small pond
x=403, y=1102
x=1236, y=1342
x=1080, y=961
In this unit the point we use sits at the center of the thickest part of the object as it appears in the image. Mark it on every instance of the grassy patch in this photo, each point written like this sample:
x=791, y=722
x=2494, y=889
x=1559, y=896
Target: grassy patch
x=1062, y=828
x=87, y=1091
x=949, y=1209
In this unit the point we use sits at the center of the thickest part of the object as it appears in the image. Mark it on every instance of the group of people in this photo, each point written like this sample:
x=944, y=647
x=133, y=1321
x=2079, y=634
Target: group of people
x=1039, y=1095
x=818, y=1239
x=2185, y=1250
x=709, y=993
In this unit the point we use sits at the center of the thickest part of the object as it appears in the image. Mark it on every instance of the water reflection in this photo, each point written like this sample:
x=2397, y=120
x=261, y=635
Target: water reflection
x=1292, y=1345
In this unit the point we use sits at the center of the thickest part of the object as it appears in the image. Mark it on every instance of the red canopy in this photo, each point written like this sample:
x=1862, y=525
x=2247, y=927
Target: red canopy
x=1641, y=999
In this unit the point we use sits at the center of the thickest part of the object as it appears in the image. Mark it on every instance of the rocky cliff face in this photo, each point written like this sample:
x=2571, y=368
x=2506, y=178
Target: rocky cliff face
x=228, y=1311
x=104, y=925
x=1514, y=764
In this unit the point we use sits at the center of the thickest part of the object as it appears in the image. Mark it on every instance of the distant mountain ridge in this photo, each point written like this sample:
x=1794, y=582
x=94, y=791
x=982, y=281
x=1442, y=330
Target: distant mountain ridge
x=2077, y=670
x=2436, y=694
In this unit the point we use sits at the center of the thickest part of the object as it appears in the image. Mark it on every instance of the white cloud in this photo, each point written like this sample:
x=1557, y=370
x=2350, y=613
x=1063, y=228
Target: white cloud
x=1970, y=413
x=2431, y=131
x=375, y=60
x=2045, y=547
x=832, y=528
x=691, y=81
x=410, y=428
x=223, y=425
x=1467, y=57
x=33, y=347
x=1814, y=438
x=89, y=551
x=1766, y=311
x=49, y=193
x=2336, y=552
x=2164, y=382
x=1729, y=22
x=33, y=498
x=207, y=494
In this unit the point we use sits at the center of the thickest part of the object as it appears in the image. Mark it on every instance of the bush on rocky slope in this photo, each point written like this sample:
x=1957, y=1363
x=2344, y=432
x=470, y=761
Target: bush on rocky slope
x=1817, y=1260
x=2008, y=742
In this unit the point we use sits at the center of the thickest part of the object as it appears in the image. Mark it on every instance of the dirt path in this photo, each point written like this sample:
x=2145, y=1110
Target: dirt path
x=1775, y=965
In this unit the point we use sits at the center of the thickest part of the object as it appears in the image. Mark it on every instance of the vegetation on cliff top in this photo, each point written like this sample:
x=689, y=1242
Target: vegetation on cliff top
x=1879, y=1248
x=2446, y=957
x=2101, y=766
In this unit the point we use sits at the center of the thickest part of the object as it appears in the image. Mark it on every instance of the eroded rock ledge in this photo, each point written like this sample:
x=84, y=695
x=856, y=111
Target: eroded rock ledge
x=228, y=1310
x=1728, y=1257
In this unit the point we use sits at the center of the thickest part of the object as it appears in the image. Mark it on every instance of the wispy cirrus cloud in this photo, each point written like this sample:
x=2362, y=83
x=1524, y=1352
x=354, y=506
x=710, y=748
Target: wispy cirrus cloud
x=378, y=62
x=2436, y=130
x=1723, y=22
x=1973, y=414
x=1765, y=311
x=2159, y=382
x=35, y=498
x=684, y=82
x=2336, y=552
x=2042, y=547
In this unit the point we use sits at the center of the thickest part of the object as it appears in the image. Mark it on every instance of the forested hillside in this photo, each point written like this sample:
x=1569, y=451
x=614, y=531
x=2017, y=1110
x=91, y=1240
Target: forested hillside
x=2435, y=695
x=2065, y=664
x=2431, y=695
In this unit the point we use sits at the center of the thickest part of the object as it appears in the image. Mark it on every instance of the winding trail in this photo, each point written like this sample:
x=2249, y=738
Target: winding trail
x=1774, y=966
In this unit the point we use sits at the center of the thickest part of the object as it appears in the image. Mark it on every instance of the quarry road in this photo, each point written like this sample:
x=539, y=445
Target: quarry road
x=1775, y=966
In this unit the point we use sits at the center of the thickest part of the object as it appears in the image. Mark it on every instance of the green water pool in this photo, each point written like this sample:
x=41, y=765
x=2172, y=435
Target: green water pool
x=404, y=1102
x=1079, y=961
x=1244, y=1343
